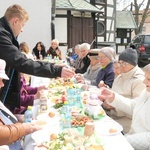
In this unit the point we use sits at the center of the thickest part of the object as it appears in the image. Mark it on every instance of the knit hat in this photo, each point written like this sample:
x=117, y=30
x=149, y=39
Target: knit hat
x=129, y=55
x=109, y=52
x=2, y=70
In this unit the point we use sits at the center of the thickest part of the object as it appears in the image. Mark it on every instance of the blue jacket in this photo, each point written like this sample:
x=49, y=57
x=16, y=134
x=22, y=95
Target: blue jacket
x=106, y=74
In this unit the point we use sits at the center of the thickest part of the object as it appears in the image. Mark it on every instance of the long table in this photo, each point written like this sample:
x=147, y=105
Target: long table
x=112, y=142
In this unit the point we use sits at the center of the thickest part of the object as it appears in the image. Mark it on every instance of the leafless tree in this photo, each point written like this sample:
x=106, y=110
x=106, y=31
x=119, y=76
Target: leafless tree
x=136, y=7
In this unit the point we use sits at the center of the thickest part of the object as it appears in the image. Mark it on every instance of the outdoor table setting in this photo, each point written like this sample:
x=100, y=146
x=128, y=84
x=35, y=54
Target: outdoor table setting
x=87, y=127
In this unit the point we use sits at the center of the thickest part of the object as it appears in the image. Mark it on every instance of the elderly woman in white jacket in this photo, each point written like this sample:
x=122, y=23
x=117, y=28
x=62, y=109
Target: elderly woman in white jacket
x=139, y=108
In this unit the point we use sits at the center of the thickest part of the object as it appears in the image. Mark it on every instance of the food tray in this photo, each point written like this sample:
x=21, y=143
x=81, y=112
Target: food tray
x=80, y=120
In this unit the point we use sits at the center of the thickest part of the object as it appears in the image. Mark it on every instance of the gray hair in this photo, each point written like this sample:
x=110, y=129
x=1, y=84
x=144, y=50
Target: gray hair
x=55, y=41
x=78, y=47
x=85, y=46
x=147, y=68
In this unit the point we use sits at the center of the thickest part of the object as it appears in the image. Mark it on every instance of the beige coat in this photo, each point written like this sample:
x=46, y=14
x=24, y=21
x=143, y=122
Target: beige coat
x=139, y=109
x=129, y=85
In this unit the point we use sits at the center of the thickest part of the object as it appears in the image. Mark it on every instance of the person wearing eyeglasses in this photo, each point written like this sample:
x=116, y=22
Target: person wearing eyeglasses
x=138, y=108
x=106, y=74
x=117, y=70
x=128, y=84
x=93, y=69
x=106, y=56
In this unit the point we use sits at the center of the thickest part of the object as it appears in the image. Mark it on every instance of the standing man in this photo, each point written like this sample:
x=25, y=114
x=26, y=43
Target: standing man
x=11, y=25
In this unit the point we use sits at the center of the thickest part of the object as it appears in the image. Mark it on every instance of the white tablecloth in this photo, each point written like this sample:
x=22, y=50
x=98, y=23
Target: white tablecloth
x=111, y=142
x=114, y=142
x=37, y=81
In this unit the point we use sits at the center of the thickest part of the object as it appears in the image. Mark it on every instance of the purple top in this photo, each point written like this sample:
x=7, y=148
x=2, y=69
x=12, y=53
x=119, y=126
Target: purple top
x=27, y=93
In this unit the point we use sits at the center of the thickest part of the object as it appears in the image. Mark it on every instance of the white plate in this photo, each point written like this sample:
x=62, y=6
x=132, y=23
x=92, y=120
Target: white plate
x=51, y=121
x=104, y=126
x=44, y=135
x=40, y=136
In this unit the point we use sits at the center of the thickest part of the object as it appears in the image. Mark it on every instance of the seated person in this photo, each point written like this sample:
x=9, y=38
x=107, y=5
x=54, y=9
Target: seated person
x=72, y=58
x=92, y=70
x=27, y=95
x=39, y=51
x=138, y=108
x=25, y=50
x=117, y=69
x=76, y=52
x=54, y=50
x=11, y=130
x=106, y=73
x=128, y=84
x=83, y=61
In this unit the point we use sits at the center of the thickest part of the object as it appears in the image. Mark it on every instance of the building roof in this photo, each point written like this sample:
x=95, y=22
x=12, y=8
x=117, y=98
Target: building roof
x=80, y=5
x=125, y=20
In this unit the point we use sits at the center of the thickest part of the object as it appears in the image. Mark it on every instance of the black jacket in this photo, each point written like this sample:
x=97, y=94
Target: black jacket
x=86, y=62
x=15, y=60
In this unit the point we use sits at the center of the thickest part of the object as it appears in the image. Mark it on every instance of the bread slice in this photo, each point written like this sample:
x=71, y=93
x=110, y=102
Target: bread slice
x=94, y=147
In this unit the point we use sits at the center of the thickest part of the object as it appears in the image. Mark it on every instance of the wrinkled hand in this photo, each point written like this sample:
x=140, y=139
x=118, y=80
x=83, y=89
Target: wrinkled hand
x=78, y=77
x=102, y=84
x=85, y=87
x=106, y=95
x=107, y=106
x=67, y=73
x=30, y=127
x=81, y=81
x=38, y=93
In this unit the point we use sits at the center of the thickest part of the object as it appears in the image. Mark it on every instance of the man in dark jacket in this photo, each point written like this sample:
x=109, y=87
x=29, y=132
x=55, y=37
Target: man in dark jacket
x=11, y=24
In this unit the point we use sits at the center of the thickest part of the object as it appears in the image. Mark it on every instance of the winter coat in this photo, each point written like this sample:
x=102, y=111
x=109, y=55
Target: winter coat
x=92, y=72
x=106, y=74
x=129, y=85
x=139, y=109
x=53, y=53
x=81, y=64
x=17, y=62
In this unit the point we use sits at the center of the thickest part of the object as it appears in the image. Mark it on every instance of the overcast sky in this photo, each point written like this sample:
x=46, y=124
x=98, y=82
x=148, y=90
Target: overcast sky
x=126, y=4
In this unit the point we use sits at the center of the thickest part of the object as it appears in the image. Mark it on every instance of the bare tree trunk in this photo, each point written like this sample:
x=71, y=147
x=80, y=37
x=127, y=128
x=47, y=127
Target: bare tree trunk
x=140, y=20
x=144, y=16
x=136, y=17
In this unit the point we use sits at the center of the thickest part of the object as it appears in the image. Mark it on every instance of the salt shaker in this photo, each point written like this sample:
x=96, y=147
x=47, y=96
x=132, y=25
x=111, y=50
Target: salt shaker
x=89, y=128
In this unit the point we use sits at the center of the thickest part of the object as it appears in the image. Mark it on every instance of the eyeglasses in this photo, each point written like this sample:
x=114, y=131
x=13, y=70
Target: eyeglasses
x=101, y=57
x=123, y=64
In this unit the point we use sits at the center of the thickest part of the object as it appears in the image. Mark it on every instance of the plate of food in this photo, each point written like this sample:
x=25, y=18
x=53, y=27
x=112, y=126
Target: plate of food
x=76, y=110
x=44, y=135
x=51, y=117
x=107, y=126
x=70, y=139
x=80, y=120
